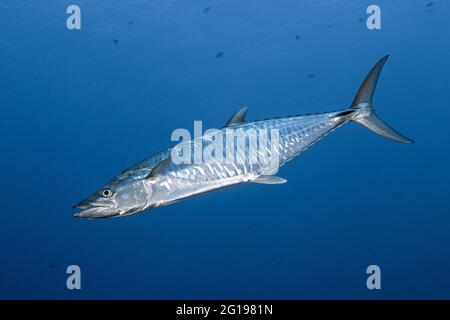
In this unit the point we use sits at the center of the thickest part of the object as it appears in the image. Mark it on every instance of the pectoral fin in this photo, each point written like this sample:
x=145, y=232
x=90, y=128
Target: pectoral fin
x=160, y=167
x=269, y=180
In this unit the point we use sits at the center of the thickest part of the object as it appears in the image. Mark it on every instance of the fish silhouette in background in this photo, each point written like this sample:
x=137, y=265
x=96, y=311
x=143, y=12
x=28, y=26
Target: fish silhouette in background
x=429, y=6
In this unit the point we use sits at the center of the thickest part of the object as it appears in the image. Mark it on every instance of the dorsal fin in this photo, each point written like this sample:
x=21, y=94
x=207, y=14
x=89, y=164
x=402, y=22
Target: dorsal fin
x=236, y=118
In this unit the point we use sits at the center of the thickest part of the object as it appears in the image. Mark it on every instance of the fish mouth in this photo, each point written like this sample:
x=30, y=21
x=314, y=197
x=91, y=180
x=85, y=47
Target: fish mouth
x=94, y=211
x=99, y=211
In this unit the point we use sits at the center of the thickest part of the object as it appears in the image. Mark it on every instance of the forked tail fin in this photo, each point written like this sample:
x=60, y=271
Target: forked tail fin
x=363, y=103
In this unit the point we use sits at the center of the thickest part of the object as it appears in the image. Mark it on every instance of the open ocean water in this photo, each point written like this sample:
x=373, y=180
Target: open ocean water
x=79, y=106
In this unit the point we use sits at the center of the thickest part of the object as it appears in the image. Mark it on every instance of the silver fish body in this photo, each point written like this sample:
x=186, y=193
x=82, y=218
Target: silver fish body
x=296, y=134
x=161, y=180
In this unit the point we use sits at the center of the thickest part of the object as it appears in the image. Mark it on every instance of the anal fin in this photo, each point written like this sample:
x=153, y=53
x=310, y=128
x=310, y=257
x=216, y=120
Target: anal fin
x=269, y=180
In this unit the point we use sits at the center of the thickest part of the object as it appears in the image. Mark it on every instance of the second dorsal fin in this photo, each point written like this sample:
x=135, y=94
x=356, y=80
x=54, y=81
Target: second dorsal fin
x=236, y=118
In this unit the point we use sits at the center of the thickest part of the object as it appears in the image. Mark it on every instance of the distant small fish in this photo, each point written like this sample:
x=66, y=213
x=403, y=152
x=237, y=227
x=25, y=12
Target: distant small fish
x=400, y=195
x=115, y=41
x=344, y=283
x=52, y=158
x=297, y=37
x=51, y=266
x=220, y=54
x=206, y=9
x=330, y=26
x=430, y=4
x=130, y=23
x=250, y=227
x=361, y=20
x=311, y=76
x=368, y=249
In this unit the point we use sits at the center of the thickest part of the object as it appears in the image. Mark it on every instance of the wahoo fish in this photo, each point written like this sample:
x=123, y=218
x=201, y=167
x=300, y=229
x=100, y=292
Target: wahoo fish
x=159, y=180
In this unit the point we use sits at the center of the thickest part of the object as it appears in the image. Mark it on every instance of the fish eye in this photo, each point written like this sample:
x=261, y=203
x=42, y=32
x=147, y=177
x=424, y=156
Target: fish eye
x=106, y=193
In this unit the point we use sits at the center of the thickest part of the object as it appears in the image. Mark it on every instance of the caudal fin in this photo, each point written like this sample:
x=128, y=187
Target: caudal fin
x=363, y=103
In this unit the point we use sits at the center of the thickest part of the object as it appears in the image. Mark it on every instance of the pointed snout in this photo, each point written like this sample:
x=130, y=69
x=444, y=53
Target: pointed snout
x=94, y=210
x=82, y=204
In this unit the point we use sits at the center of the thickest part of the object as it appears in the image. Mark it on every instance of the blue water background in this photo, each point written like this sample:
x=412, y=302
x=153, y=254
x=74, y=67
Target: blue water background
x=78, y=108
